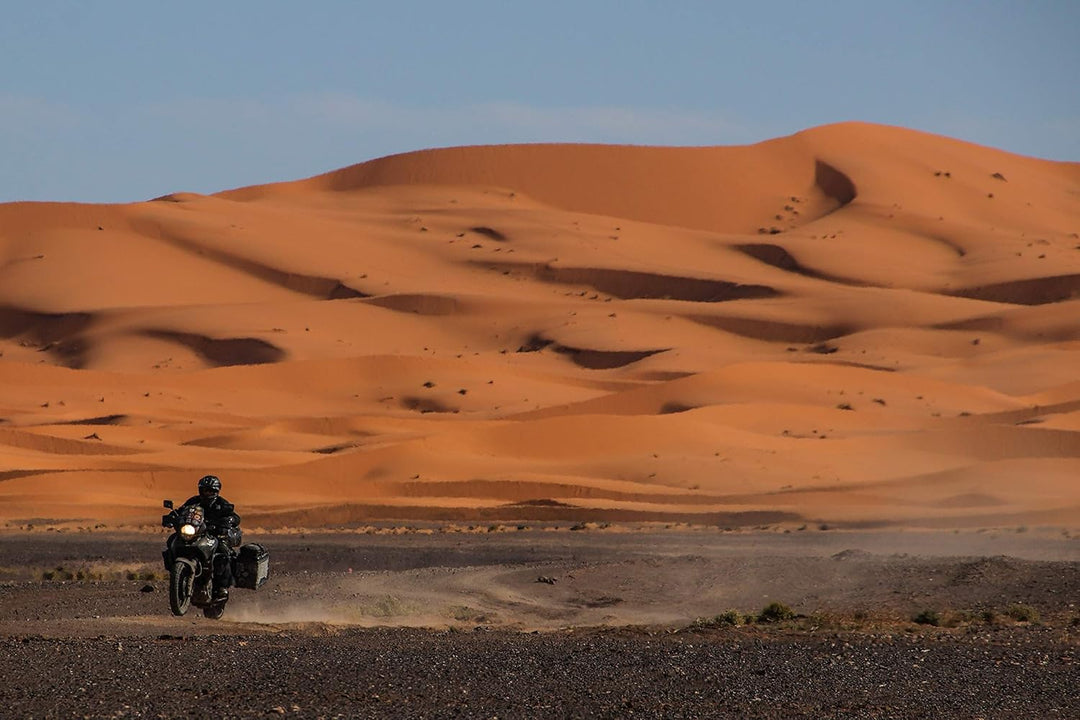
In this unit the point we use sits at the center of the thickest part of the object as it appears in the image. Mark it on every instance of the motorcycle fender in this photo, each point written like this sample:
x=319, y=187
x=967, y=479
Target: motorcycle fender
x=169, y=553
x=190, y=563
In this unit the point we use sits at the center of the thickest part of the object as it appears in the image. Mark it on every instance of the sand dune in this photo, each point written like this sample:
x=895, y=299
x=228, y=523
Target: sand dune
x=856, y=324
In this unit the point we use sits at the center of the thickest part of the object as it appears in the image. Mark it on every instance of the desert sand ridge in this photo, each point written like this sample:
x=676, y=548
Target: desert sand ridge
x=855, y=324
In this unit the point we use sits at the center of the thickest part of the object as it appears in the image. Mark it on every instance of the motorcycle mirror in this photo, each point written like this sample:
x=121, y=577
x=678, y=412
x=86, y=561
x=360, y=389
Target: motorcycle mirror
x=167, y=503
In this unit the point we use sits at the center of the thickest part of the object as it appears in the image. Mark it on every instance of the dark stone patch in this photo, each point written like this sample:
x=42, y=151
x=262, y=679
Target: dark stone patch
x=534, y=343
x=426, y=405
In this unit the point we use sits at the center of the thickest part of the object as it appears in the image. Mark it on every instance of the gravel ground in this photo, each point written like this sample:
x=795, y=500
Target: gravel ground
x=603, y=674
x=487, y=640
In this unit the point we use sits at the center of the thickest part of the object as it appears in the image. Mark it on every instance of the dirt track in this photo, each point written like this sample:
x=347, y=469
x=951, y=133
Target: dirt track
x=610, y=634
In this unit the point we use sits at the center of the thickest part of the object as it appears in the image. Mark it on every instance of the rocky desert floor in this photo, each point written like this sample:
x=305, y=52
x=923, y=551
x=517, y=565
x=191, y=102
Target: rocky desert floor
x=545, y=621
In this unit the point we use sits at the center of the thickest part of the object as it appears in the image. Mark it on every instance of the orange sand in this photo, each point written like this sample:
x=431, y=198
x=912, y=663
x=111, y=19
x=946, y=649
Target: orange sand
x=854, y=324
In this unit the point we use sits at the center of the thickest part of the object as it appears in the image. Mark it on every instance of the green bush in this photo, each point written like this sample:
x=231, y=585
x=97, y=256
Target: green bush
x=1022, y=613
x=960, y=617
x=928, y=617
x=775, y=612
x=729, y=618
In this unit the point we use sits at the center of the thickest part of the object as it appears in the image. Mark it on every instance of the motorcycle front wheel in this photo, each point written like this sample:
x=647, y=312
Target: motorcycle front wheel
x=214, y=611
x=181, y=580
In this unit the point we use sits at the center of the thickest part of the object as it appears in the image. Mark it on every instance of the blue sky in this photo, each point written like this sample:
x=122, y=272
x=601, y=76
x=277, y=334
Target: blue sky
x=116, y=101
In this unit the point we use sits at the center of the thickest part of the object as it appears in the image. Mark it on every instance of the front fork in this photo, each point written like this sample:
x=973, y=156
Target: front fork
x=205, y=581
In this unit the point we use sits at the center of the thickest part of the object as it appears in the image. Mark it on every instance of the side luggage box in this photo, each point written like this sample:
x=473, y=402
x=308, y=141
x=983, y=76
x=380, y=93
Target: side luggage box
x=252, y=566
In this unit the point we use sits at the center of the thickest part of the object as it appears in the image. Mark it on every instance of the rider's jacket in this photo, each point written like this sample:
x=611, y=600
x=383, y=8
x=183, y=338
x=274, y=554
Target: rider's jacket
x=220, y=513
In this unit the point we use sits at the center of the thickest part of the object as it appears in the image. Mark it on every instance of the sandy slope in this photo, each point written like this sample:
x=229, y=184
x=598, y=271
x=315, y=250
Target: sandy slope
x=853, y=324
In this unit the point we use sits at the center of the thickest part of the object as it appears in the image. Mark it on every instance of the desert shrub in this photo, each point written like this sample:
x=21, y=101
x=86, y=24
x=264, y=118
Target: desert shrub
x=821, y=620
x=775, y=612
x=960, y=617
x=988, y=616
x=145, y=575
x=927, y=617
x=464, y=613
x=60, y=573
x=729, y=618
x=1022, y=613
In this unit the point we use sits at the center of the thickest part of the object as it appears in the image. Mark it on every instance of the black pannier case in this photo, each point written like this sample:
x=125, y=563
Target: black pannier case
x=252, y=566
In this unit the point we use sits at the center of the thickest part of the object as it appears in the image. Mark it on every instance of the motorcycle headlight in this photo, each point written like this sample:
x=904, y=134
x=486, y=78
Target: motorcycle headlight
x=187, y=530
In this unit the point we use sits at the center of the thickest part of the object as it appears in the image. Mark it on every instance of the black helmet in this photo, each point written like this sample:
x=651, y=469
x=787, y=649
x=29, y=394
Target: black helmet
x=209, y=483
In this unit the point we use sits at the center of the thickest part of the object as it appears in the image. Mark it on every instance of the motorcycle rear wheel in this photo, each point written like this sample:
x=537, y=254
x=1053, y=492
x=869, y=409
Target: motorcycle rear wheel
x=181, y=580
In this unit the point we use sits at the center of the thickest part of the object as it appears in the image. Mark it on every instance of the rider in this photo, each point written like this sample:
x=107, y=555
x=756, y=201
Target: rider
x=224, y=523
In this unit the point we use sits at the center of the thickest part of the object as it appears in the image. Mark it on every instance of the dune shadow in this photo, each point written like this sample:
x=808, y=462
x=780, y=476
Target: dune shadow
x=778, y=257
x=354, y=514
x=774, y=330
x=58, y=334
x=997, y=324
x=637, y=285
x=16, y=474
x=834, y=183
x=587, y=357
x=673, y=408
x=116, y=419
x=323, y=288
x=604, y=359
x=223, y=352
x=418, y=304
x=1033, y=291
x=332, y=449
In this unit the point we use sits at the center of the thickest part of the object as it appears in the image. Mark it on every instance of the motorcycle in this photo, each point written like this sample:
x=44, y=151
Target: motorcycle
x=189, y=556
